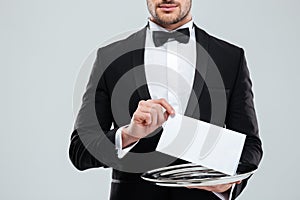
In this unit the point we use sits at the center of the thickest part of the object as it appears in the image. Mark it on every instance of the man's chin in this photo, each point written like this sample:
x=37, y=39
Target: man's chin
x=168, y=20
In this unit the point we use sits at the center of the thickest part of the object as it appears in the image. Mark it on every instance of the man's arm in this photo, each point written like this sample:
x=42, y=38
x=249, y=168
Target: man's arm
x=93, y=123
x=241, y=117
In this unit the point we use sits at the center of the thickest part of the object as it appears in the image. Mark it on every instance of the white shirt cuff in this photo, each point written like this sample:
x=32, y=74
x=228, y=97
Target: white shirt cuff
x=118, y=143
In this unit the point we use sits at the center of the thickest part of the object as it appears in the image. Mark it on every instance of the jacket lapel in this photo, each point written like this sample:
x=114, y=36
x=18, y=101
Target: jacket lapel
x=138, y=62
x=193, y=109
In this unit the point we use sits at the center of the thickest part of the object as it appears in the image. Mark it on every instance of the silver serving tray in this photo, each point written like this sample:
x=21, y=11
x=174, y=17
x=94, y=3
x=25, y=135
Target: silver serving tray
x=187, y=175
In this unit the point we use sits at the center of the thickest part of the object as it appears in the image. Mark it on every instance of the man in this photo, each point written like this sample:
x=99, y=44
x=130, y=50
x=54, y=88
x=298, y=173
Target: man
x=131, y=61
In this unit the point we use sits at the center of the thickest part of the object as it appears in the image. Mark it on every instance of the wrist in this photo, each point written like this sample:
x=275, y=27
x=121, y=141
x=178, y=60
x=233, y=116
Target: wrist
x=127, y=139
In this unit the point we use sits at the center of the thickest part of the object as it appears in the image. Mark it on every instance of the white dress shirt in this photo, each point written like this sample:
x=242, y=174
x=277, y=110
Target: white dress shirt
x=169, y=71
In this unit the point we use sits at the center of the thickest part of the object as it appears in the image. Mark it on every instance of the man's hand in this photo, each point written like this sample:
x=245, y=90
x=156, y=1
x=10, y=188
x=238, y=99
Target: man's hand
x=216, y=188
x=149, y=116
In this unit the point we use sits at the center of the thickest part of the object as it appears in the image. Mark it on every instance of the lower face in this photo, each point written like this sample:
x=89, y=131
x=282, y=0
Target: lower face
x=169, y=12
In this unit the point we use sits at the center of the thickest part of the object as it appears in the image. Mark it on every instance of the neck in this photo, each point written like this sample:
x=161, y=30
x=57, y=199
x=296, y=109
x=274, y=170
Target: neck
x=171, y=27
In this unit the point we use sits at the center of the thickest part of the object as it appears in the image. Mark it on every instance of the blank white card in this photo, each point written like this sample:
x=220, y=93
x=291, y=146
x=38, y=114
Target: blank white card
x=202, y=143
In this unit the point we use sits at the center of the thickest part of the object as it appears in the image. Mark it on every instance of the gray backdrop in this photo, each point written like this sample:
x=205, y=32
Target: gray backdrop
x=44, y=43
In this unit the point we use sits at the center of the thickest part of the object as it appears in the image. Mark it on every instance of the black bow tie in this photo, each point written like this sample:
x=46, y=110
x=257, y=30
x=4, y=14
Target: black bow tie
x=161, y=37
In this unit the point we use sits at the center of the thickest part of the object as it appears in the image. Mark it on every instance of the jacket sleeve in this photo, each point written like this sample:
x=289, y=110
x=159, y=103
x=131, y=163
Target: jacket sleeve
x=241, y=117
x=92, y=141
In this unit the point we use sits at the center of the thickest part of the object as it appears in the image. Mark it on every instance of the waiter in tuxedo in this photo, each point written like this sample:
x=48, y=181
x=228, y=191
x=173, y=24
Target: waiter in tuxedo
x=170, y=66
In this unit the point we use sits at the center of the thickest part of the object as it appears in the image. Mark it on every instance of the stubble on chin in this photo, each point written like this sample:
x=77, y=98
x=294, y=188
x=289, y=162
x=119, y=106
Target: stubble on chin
x=167, y=19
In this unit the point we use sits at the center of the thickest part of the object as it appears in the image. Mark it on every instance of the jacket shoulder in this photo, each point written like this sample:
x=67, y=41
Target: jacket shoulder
x=132, y=42
x=220, y=46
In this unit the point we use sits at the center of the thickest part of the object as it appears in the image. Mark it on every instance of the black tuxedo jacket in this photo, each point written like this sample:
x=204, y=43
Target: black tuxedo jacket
x=88, y=148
